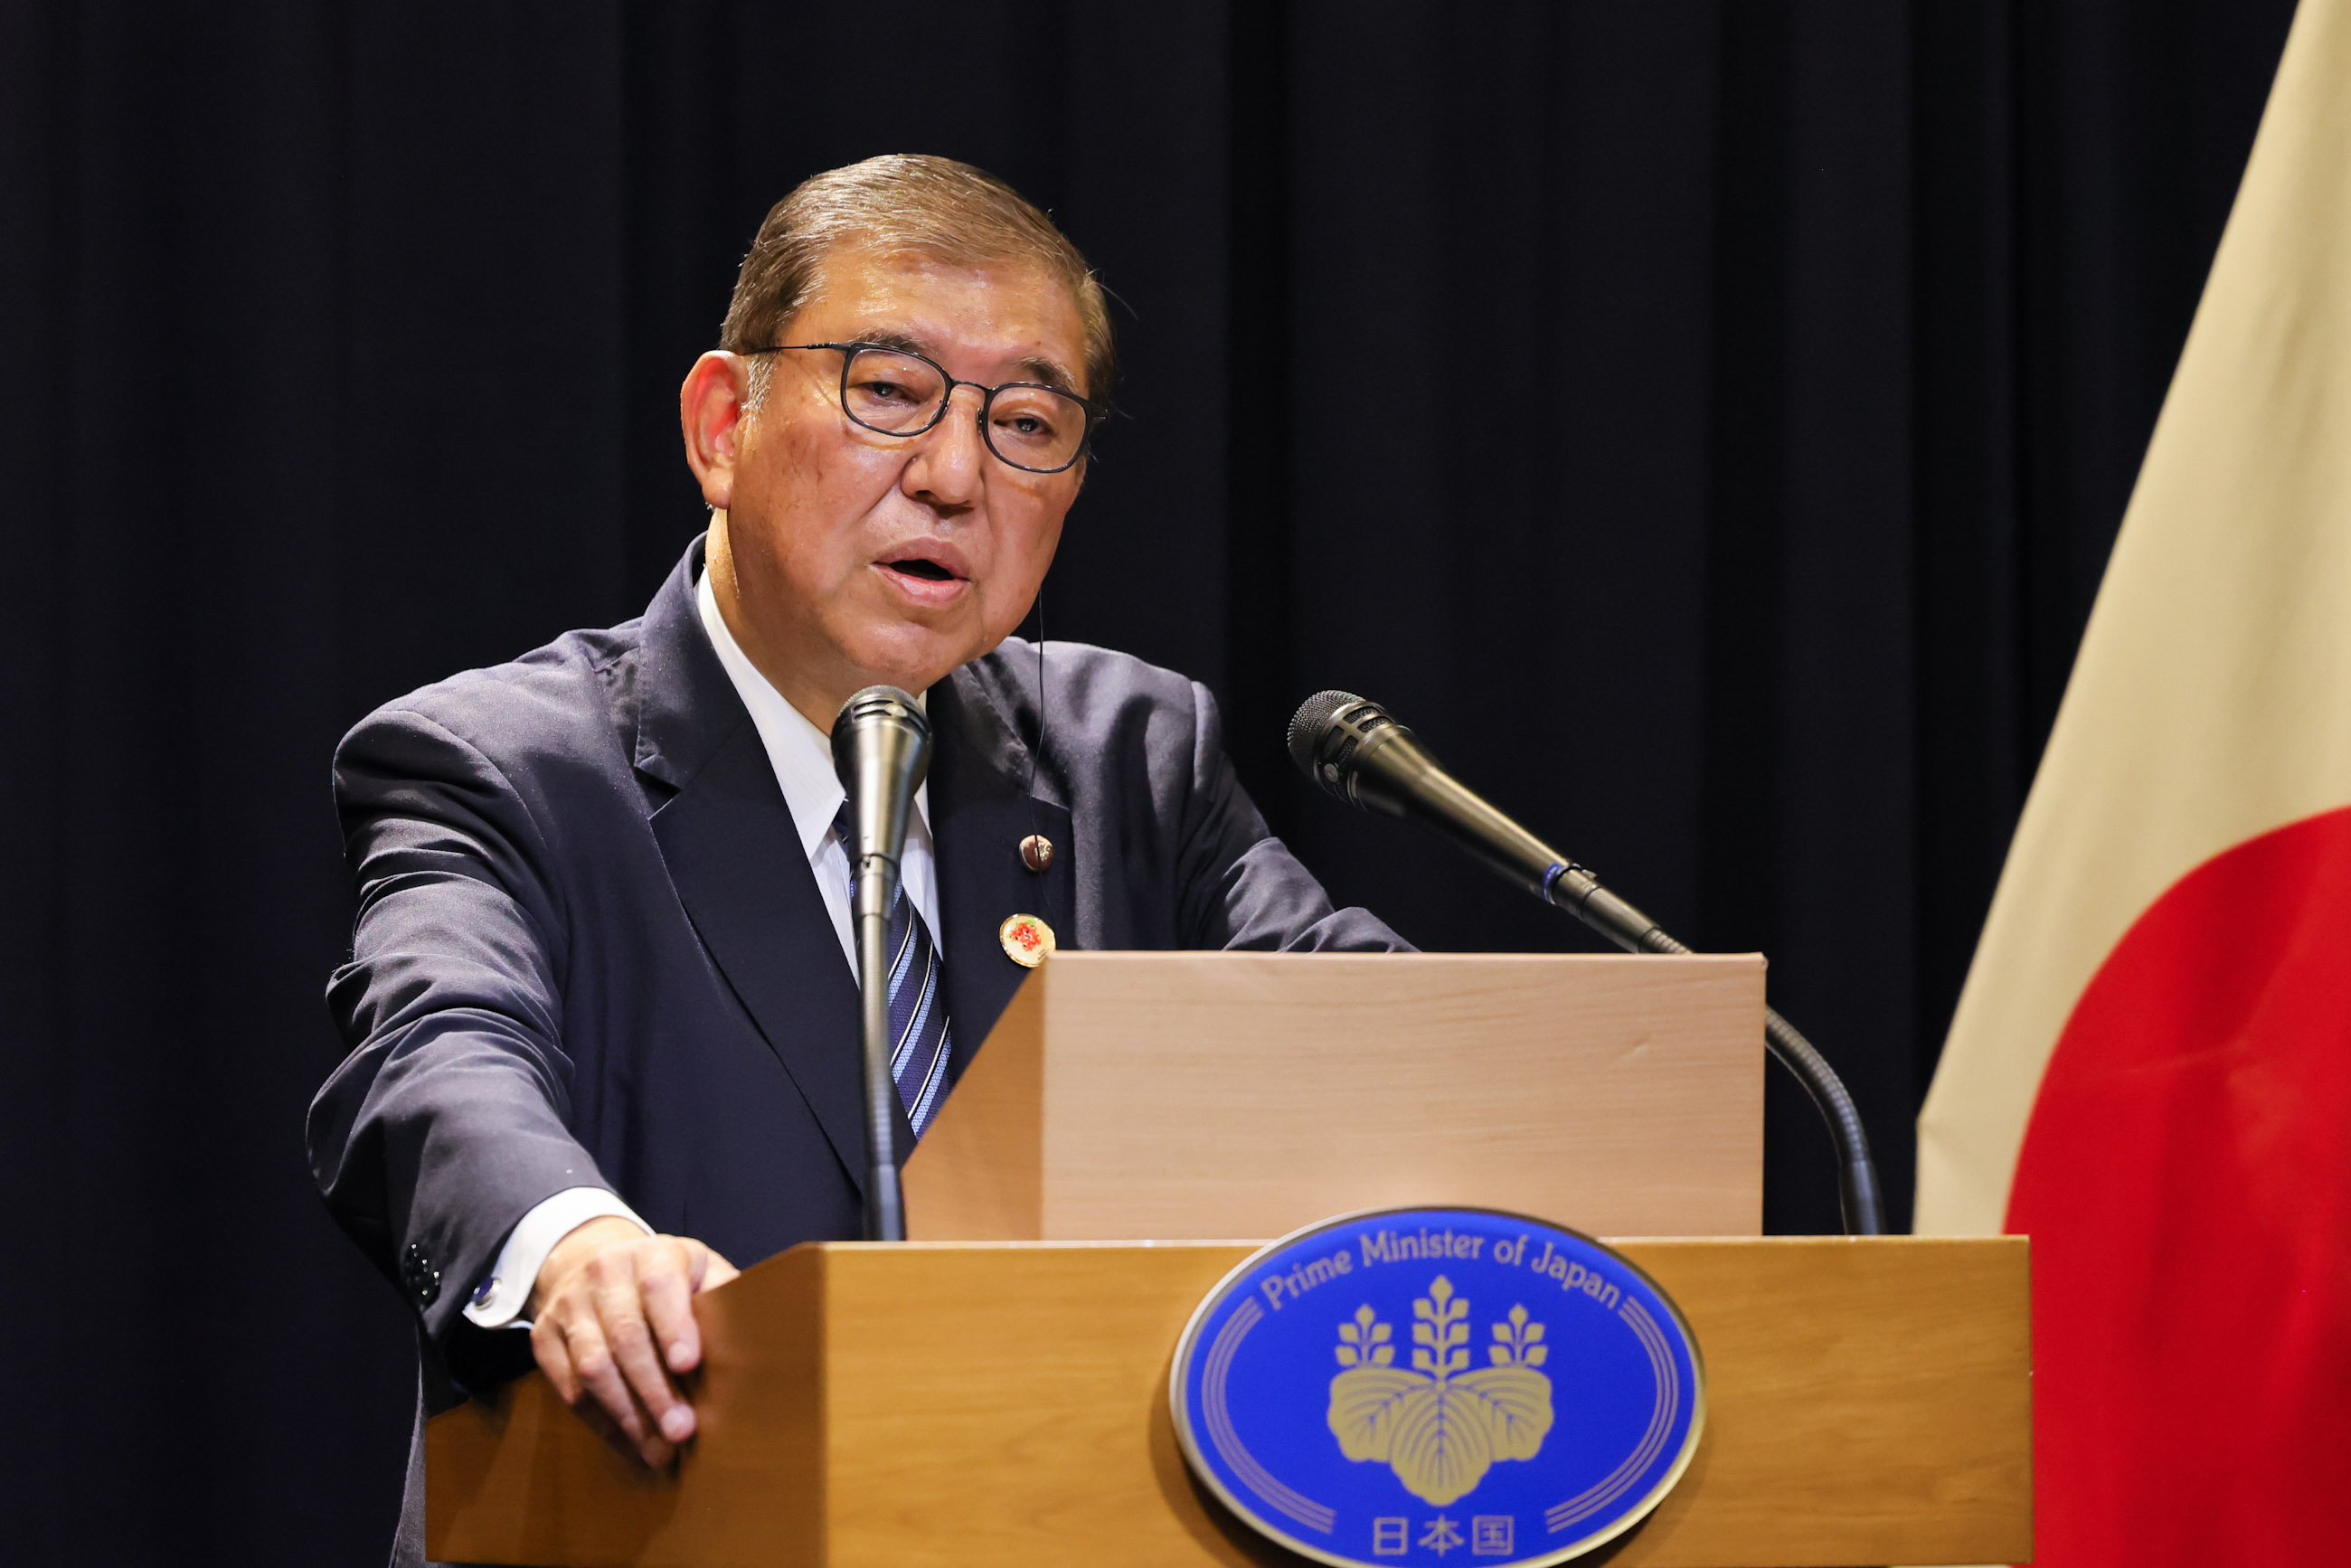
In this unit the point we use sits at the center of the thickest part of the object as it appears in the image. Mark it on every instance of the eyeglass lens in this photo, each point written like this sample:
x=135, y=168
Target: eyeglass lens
x=1032, y=427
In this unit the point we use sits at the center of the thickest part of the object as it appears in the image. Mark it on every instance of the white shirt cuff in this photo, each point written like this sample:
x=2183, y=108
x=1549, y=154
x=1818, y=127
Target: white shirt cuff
x=499, y=1301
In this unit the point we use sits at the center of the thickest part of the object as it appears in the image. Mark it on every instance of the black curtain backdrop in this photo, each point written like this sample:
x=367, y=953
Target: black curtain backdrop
x=1704, y=422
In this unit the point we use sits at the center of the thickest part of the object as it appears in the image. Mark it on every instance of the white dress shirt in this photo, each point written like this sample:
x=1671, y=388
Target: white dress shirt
x=802, y=755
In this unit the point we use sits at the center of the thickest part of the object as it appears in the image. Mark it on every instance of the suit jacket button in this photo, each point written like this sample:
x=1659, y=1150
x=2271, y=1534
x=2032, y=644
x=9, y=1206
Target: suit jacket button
x=423, y=1279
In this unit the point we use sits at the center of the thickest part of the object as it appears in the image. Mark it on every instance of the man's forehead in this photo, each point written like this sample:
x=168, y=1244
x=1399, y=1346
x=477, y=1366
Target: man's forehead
x=1013, y=312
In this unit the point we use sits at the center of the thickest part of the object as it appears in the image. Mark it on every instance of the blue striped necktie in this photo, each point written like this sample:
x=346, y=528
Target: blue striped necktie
x=920, y=1044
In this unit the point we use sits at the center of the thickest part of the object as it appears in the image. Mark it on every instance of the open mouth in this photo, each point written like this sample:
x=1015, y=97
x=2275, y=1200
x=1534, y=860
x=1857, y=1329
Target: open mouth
x=917, y=566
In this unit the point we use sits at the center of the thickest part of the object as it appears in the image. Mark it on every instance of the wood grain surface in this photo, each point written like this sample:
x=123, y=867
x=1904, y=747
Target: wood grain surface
x=1869, y=1402
x=1197, y=1095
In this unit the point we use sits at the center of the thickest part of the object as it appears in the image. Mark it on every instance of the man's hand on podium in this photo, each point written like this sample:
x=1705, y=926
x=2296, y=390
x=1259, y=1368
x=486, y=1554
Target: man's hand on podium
x=612, y=1325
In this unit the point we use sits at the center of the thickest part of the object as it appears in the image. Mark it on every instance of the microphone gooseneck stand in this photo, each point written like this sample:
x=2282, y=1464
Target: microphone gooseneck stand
x=875, y=888
x=1355, y=750
x=1574, y=888
x=880, y=747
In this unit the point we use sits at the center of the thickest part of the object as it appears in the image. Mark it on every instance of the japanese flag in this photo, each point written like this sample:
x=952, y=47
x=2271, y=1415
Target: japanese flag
x=2150, y=1069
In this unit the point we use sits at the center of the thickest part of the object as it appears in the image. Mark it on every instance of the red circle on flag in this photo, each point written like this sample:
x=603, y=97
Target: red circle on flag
x=2186, y=1179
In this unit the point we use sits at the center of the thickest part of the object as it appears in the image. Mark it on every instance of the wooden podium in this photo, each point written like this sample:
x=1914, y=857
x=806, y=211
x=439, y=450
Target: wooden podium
x=1206, y=1096
x=998, y=1395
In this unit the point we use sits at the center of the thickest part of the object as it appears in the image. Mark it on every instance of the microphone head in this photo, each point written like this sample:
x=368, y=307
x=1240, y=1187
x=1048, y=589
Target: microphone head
x=1326, y=735
x=1310, y=722
x=876, y=705
x=881, y=749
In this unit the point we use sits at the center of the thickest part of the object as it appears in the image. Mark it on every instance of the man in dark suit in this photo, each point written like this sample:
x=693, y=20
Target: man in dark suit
x=601, y=1007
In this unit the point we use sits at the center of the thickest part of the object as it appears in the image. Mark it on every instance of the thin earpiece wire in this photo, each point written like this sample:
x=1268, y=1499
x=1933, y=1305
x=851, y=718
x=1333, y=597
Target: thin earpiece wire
x=1037, y=750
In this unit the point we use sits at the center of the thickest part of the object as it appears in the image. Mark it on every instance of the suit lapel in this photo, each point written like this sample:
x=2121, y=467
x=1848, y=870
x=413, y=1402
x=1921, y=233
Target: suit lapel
x=980, y=810
x=747, y=885
x=736, y=862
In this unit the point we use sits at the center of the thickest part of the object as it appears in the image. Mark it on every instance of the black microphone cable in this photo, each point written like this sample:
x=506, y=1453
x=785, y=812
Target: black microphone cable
x=1355, y=750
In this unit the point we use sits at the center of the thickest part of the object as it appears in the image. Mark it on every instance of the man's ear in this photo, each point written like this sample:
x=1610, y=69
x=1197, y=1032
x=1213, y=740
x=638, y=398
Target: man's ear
x=710, y=408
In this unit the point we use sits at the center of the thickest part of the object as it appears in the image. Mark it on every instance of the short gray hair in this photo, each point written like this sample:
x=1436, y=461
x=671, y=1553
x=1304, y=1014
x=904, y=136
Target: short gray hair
x=908, y=203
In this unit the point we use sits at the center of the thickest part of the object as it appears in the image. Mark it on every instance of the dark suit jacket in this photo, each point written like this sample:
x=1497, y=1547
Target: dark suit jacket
x=590, y=950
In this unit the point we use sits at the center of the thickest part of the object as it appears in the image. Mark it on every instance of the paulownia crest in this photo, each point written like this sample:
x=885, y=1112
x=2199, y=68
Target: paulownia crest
x=1440, y=1427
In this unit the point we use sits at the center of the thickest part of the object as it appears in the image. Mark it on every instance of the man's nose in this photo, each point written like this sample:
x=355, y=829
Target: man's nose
x=950, y=458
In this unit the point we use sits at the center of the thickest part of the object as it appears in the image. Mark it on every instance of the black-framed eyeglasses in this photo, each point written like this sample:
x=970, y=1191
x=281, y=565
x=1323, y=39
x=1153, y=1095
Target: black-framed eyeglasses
x=1030, y=426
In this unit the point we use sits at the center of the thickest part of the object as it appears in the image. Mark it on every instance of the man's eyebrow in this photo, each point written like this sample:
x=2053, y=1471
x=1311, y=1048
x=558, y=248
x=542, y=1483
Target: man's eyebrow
x=1035, y=368
x=892, y=337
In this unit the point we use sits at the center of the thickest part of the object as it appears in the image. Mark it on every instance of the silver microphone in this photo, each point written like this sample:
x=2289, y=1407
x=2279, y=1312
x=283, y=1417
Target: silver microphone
x=880, y=748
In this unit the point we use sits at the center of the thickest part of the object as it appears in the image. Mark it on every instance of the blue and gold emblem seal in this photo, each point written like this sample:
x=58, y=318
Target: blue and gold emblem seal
x=1438, y=1386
